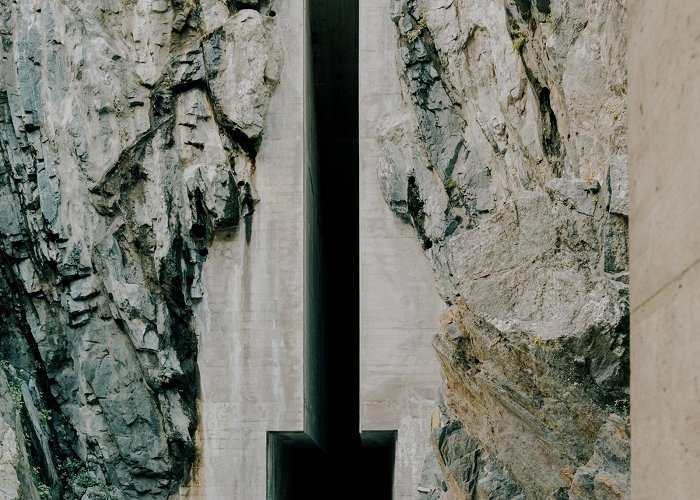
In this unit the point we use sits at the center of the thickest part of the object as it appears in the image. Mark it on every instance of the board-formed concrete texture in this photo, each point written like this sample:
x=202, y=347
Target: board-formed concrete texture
x=251, y=345
x=251, y=336
x=664, y=71
x=399, y=304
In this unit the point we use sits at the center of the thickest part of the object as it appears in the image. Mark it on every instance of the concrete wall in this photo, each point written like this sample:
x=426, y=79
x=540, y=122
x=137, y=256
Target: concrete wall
x=664, y=71
x=400, y=307
x=251, y=343
x=252, y=330
x=252, y=321
x=313, y=320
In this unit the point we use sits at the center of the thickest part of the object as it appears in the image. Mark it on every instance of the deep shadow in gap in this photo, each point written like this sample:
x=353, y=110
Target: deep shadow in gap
x=295, y=467
x=330, y=459
x=298, y=469
x=376, y=467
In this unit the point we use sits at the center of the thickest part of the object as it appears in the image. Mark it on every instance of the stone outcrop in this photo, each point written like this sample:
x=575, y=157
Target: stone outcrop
x=509, y=159
x=128, y=135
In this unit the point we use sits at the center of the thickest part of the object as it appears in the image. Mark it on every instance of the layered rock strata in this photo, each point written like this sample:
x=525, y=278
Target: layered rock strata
x=128, y=135
x=509, y=158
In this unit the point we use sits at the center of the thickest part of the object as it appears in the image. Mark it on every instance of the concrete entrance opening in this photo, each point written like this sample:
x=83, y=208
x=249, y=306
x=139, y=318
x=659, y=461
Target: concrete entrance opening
x=299, y=469
x=331, y=454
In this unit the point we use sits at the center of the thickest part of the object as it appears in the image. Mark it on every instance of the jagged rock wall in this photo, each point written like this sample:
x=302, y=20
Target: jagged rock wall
x=509, y=159
x=128, y=135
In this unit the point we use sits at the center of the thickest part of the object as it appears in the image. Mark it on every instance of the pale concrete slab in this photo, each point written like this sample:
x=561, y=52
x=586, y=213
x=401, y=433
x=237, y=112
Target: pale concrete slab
x=664, y=106
x=400, y=307
x=664, y=98
x=251, y=332
x=666, y=392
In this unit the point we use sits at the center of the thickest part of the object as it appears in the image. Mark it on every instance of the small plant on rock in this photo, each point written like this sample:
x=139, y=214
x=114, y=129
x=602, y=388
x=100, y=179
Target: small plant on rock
x=519, y=43
x=16, y=395
x=413, y=35
x=44, y=491
x=450, y=185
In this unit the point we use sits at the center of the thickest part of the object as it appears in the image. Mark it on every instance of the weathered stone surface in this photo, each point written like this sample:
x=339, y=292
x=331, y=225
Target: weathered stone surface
x=470, y=470
x=16, y=479
x=509, y=158
x=127, y=140
x=242, y=67
x=606, y=474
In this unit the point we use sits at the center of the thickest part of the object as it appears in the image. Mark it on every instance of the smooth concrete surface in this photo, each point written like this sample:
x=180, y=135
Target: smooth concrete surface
x=251, y=336
x=664, y=140
x=399, y=305
x=664, y=71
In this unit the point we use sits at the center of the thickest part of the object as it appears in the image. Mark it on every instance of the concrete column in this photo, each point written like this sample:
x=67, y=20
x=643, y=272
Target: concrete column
x=664, y=139
x=251, y=336
x=400, y=308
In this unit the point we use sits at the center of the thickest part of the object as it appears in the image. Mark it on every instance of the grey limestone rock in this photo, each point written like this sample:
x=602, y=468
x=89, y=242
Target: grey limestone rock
x=509, y=158
x=128, y=134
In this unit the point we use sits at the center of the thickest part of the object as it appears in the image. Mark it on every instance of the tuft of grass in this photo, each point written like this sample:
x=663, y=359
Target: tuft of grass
x=547, y=345
x=44, y=491
x=519, y=43
x=17, y=399
x=413, y=35
x=45, y=416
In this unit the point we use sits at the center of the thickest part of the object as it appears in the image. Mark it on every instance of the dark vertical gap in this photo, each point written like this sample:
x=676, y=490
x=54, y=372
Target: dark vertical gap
x=334, y=41
x=314, y=361
x=330, y=459
x=376, y=464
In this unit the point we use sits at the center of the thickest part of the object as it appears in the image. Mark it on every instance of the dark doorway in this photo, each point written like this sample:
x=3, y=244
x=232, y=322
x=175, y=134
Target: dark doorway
x=377, y=464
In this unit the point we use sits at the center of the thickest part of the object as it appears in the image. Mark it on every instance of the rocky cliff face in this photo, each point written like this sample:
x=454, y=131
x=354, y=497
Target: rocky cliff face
x=128, y=135
x=509, y=159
